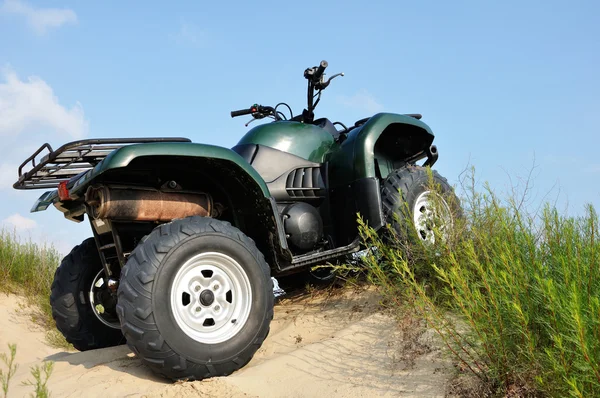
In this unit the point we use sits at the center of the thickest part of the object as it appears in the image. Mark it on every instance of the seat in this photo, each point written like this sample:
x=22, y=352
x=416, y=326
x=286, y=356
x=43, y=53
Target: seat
x=326, y=125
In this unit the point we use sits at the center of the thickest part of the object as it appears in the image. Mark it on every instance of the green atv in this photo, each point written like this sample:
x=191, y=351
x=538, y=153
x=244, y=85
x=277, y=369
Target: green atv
x=187, y=236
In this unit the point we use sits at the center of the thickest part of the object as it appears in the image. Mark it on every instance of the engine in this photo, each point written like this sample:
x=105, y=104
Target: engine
x=303, y=226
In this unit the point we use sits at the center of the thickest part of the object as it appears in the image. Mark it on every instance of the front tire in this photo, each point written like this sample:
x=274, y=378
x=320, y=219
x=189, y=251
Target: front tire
x=409, y=201
x=79, y=274
x=195, y=299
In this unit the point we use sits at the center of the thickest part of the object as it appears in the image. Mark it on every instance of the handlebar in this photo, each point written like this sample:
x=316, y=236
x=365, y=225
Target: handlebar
x=242, y=112
x=317, y=75
x=316, y=82
x=257, y=111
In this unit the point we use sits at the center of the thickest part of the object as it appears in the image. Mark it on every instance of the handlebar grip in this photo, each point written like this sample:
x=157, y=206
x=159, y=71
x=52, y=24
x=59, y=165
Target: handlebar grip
x=320, y=70
x=241, y=112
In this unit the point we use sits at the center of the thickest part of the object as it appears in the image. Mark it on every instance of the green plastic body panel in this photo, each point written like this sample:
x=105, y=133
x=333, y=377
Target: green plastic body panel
x=123, y=156
x=47, y=198
x=355, y=157
x=304, y=140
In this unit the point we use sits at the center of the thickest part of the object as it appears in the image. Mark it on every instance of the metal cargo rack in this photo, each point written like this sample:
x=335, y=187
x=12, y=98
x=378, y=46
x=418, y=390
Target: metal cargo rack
x=73, y=159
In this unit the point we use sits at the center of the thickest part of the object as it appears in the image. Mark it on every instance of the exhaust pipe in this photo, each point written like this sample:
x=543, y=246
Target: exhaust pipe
x=138, y=204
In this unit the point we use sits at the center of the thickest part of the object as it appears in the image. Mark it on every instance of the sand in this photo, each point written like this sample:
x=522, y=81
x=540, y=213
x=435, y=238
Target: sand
x=327, y=346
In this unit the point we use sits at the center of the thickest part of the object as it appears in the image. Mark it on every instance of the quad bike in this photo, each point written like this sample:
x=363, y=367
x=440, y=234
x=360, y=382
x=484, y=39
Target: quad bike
x=187, y=236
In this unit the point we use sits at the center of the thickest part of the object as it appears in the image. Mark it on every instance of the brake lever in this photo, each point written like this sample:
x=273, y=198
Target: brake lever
x=261, y=113
x=323, y=85
x=334, y=76
x=256, y=116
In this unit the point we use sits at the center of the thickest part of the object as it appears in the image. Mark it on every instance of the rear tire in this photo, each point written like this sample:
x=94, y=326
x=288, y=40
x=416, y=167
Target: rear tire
x=195, y=299
x=324, y=276
x=70, y=300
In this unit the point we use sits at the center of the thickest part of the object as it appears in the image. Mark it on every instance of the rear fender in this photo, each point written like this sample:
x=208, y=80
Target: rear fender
x=123, y=157
x=199, y=167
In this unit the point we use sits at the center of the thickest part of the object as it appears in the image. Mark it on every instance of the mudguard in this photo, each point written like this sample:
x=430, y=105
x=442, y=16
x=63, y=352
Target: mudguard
x=365, y=156
x=122, y=157
x=378, y=147
x=255, y=210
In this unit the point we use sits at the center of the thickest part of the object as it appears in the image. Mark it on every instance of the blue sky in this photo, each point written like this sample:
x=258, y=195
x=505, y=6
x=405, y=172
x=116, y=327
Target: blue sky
x=502, y=84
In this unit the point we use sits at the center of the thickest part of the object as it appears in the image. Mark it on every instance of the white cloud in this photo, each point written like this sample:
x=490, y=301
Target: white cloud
x=19, y=222
x=40, y=19
x=32, y=103
x=363, y=101
x=190, y=34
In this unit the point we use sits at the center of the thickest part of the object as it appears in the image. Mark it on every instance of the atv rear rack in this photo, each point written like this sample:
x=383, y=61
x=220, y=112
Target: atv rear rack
x=72, y=159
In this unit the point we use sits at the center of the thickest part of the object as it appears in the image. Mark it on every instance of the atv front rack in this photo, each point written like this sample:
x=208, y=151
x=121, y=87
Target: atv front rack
x=72, y=159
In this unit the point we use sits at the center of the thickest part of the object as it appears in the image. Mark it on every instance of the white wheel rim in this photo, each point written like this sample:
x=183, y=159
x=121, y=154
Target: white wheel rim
x=211, y=297
x=104, y=317
x=425, y=216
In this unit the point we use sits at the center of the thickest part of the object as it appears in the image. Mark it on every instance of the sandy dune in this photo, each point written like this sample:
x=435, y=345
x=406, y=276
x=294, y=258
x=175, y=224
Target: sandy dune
x=336, y=346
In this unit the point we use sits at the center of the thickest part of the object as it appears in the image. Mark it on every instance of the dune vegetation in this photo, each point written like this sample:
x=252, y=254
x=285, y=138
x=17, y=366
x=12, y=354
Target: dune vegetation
x=514, y=294
x=27, y=268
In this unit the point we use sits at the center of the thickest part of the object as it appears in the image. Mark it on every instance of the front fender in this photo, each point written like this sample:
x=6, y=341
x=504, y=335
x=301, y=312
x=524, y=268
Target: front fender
x=373, y=149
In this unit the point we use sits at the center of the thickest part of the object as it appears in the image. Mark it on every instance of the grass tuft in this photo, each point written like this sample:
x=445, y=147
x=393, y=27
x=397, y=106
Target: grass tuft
x=28, y=269
x=9, y=361
x=40, y=374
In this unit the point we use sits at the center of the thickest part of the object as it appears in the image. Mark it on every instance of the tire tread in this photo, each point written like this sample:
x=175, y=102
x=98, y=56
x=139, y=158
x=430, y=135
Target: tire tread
x=401, y=181
x=74, y=319
x=135, y=304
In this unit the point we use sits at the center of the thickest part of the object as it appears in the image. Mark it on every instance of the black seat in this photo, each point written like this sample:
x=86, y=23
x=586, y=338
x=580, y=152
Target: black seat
x=326, y=125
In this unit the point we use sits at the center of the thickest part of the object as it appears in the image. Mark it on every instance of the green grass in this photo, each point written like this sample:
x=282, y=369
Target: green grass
x=11, y=368
x=515, y=295
x=28, y=269
x=40, y=374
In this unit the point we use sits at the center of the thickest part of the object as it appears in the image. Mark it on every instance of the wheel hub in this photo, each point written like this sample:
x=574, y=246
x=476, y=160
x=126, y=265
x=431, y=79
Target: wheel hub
x=211, y=297
x=207, y=298
x=102, y=301
x=427, y=215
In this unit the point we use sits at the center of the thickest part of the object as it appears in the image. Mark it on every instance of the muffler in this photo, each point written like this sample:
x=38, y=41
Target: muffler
x=138, y=204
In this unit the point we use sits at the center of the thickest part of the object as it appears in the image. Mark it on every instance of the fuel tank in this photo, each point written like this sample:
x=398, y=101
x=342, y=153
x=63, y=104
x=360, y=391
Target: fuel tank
x=307, y=141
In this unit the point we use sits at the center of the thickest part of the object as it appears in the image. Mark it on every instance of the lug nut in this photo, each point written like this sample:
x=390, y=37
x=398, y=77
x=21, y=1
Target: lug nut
x=113, y=284
x=217, y=308
x=216, y=287
x=198, y=309
x=197, y=288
